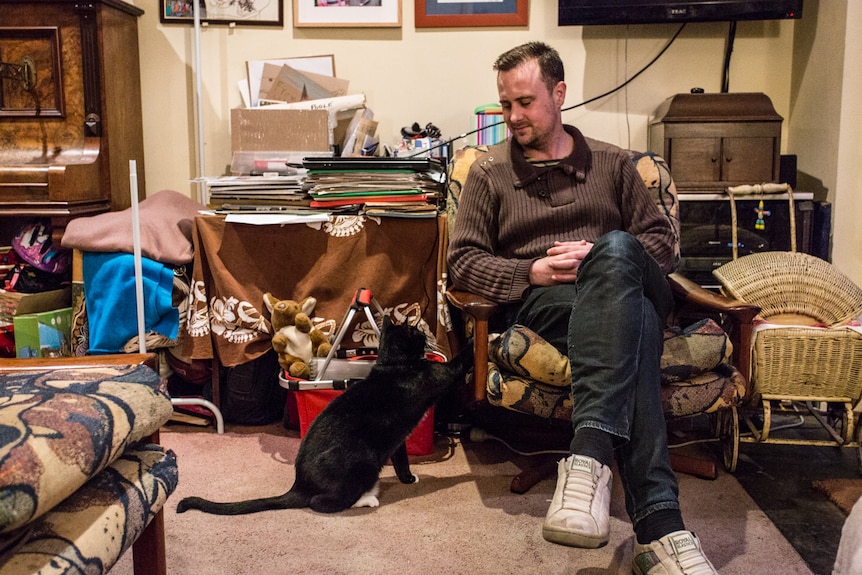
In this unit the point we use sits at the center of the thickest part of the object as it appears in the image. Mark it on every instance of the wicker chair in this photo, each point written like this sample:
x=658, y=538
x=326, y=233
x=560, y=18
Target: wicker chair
x=805, y=348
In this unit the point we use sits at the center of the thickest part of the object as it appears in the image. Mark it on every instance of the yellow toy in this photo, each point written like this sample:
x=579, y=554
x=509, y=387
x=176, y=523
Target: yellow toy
x=295, y=340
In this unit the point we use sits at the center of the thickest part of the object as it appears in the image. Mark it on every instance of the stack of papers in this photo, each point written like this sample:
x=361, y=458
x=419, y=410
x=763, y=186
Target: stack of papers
x=256, y=190
x=377, y=186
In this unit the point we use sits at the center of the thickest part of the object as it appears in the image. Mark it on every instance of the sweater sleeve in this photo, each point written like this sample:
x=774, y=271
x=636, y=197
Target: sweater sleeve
x=471, y=259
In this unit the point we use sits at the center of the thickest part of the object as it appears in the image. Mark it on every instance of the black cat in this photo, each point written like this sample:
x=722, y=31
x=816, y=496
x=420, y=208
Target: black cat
x=349, y=442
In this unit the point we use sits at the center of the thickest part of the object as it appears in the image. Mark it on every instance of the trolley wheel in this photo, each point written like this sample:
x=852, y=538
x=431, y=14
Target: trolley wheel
x=728, y=434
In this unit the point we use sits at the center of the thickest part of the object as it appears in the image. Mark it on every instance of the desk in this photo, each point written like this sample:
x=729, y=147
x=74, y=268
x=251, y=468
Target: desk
x=400, y=260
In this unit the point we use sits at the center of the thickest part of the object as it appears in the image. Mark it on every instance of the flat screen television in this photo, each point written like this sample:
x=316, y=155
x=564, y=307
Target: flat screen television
x=597, y=12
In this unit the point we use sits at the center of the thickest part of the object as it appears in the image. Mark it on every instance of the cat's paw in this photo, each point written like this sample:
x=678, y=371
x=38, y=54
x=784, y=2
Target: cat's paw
x=410, y=478
x=367, y=500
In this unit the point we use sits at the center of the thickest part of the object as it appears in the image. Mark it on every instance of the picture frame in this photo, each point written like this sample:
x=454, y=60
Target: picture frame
x=343, y=14
x=247, y=13
x=471, y=13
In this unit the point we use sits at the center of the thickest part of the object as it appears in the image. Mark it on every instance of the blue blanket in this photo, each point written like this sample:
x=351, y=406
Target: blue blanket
x=109, y=289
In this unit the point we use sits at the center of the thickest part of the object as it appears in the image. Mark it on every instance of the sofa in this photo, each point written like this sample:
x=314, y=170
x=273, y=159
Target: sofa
x=82, y=476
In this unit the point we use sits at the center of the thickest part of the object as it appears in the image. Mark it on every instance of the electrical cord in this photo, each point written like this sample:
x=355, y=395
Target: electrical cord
x=479, y=435
x=584, y=103
x=728, y=51
x=638, y=73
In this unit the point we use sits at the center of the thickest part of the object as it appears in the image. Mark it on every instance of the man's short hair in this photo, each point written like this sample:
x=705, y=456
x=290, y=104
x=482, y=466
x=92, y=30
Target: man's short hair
x=548, y=58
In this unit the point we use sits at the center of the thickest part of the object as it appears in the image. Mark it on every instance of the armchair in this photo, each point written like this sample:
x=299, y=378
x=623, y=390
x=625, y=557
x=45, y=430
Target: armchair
x=702, y=364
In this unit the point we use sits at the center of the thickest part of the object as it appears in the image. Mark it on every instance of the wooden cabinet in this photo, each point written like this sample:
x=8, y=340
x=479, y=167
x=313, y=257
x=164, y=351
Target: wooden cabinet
x=67, y=135
x=712, y=141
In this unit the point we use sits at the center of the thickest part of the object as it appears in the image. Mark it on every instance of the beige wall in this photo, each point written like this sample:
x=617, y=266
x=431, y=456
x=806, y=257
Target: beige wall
x=440, y=75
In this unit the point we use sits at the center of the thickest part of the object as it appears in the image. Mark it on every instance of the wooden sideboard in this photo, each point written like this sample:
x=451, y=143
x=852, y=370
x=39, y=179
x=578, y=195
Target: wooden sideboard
x=69, y=128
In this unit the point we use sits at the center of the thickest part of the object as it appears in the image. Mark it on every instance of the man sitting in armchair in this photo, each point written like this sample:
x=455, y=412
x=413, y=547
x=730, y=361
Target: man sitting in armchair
x=562, y=229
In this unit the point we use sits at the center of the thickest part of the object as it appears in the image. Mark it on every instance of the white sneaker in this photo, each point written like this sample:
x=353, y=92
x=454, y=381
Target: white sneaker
x=579, y=515
x=678, y=553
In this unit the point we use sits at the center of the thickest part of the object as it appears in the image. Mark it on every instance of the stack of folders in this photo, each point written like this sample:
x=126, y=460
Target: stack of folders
x=395, y=187
x=279, y=190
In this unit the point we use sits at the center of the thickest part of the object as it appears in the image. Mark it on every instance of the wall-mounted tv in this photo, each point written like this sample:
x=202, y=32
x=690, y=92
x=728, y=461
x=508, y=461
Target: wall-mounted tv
x=595, y=12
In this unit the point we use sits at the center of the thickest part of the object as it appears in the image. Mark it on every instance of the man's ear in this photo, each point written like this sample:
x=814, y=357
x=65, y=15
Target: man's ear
x=559, y=93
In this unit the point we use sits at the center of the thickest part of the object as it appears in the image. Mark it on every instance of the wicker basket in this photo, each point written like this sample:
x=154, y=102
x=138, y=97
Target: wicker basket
x=808, y=364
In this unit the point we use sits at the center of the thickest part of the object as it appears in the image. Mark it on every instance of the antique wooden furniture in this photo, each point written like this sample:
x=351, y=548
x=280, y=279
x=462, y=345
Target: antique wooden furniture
x=712, y=141
x=70, y=108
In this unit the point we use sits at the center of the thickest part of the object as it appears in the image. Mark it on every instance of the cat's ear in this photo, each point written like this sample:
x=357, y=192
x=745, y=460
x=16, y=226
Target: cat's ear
x=387, y=321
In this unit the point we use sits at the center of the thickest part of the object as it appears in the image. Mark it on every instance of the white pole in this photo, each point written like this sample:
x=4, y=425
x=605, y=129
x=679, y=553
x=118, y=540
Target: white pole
x=136, y=238
x=199, y=114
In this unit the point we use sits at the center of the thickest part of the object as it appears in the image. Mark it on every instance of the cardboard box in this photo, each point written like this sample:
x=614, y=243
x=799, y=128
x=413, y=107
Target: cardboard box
x=269, y=130
x=14, y=303
x=44, y=334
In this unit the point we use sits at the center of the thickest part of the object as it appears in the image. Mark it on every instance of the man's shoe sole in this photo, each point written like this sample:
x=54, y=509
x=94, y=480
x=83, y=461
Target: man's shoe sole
x=574, y=539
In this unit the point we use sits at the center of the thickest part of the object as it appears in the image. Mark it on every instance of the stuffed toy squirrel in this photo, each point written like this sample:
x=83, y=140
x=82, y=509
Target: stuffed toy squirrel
x=295, y=340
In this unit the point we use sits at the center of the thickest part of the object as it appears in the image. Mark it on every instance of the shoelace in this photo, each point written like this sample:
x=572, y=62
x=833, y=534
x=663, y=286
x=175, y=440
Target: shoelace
x=579, y=490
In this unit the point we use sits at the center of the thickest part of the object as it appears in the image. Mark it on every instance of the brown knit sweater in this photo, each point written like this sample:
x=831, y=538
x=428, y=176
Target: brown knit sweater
x=511, y=212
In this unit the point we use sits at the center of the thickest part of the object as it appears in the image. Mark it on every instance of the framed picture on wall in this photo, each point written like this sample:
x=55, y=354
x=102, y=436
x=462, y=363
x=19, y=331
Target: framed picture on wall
x=244, y=12
x=471, y=13
x=347, y=13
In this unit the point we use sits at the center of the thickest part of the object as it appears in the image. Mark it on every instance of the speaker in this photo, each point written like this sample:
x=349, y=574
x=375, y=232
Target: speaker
x=787, y=170
x=822, y=230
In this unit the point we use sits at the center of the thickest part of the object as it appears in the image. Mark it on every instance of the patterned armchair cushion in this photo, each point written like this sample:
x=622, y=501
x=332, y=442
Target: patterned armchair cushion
x=60, y=428
x=521, y=351
x=655, y=174
x=90, y=530
x=526, y=372
x=457, y=175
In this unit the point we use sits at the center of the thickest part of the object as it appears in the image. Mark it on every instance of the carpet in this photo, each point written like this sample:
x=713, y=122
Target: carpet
x=842, y=492
x=460, y=518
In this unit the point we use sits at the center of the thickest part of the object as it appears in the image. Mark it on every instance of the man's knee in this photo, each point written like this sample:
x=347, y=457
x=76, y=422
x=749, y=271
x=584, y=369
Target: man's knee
x=617, y=243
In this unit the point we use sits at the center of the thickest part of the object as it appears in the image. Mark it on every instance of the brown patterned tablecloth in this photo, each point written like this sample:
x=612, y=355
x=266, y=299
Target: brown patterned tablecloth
x=401, y=260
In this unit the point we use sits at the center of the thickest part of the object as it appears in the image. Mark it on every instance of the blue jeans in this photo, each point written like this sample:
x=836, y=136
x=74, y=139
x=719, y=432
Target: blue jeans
x=610, y=325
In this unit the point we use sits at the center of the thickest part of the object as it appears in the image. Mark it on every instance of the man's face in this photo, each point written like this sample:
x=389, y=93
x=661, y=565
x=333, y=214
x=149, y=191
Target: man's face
x=530, y=111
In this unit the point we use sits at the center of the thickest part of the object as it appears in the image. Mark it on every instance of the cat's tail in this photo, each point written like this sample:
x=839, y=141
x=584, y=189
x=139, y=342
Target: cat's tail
x=289, y=500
